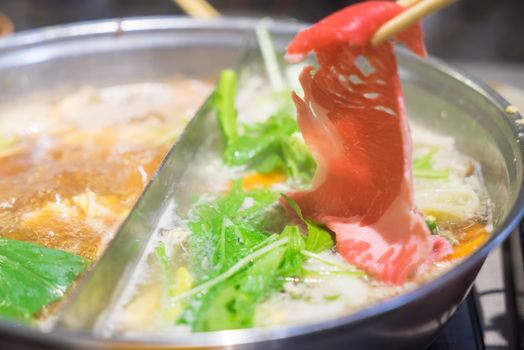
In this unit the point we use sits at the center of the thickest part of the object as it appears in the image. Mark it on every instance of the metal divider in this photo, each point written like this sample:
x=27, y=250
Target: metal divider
x=171, y=191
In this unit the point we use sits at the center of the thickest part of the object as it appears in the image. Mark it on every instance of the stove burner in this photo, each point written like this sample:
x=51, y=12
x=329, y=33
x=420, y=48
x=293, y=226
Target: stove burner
x=463, y=331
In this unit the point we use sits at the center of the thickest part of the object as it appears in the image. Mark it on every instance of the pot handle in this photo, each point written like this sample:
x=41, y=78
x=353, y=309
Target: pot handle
x=6, y=25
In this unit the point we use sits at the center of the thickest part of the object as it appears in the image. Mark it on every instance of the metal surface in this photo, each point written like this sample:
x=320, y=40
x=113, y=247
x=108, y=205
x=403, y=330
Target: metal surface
x=517, y=268
x=464, y=330
x=438, y=97
x=494, y=288
x=175, y=180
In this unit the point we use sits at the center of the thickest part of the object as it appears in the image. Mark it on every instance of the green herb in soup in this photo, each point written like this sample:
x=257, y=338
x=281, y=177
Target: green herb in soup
x=32, y=276
x=243, y=262
x=423, y=168
x=236, y=262
x=272, y=145
x=249, y=255
x=224, y=233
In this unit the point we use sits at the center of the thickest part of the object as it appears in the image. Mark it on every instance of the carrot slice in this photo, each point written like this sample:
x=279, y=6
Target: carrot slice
x=257, y=180
x=473, y=238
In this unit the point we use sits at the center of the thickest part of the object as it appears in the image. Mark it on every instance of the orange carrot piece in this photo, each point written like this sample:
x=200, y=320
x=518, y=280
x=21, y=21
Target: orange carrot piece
x=262, y=180
x=473, y=238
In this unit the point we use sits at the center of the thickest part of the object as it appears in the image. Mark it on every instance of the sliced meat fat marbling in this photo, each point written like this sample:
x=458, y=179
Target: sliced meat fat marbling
x=352, y=118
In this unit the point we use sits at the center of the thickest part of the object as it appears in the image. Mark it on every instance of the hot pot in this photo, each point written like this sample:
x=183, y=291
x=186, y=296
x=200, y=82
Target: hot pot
x=130, y=50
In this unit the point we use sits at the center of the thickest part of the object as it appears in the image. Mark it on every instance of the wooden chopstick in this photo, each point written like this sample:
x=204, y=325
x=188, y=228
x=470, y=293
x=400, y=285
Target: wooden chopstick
x=416, y=10
x=197, y=8
x=407, y=3
x=6, y=25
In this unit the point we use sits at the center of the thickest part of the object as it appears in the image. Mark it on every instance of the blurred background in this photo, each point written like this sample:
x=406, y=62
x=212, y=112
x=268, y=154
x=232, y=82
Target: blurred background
x=479, y=30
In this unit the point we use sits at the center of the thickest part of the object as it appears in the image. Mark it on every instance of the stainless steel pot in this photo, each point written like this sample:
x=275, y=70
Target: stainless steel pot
x=120, y=51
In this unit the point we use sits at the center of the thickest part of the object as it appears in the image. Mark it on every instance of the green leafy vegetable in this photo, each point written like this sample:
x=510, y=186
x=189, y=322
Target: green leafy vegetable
x=236, y=262
x=435, y=230
x=280, y=83
x=161, y=254
x=423, y=168
x=175, y=282
x=332, y=297
x=432, y=225
x=291, y=265
x=318, y=238
x=225, y=105
x=272, y=145
x=293, y=205
x=299, y=163
x=270, y=57
x=32, y=276
x=163, y=259
x=223, y=231
x=232, y=296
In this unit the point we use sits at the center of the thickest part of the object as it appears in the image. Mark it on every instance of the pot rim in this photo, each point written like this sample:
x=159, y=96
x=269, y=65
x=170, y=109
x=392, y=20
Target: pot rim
x=229, y=337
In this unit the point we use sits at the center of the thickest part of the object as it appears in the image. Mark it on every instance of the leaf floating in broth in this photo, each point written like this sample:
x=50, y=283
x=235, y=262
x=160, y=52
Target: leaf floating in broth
x=268, y=146
x=224, y=231
x=423, y=168
x=432, y=225
x=269, y=54
x=291, y=265
x=163, y=259
x=272, y=145
x=236, y=262
x=293, y=205
x=32, y=276
x=231, y=304
x=319, y=238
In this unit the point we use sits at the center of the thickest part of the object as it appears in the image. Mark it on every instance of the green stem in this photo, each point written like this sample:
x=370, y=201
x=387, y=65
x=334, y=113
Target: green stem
x=232, y=270
x=268, y=53
x=430, y=174
x=331, y=263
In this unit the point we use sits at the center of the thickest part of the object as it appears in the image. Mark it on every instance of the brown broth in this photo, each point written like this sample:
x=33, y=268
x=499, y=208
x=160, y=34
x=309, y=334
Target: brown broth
x=69, y=188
